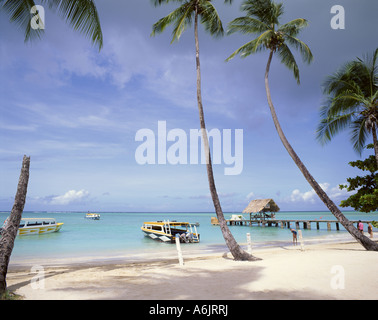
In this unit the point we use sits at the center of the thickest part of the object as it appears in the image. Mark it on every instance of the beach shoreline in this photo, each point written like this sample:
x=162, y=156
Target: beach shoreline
x=338, y=270
x=163, y=252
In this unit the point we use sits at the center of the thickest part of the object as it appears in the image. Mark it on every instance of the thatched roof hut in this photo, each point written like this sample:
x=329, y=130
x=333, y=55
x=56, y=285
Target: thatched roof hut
x=260, y=207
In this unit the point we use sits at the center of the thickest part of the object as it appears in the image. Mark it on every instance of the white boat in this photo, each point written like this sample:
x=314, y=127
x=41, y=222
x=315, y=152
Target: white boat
x=30, y=226
x=167, y=231
x=93, y=216
x=237, y=217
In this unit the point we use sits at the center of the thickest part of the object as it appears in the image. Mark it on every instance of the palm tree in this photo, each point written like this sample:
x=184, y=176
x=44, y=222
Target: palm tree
x=262, y=17
x=80, y=14
x=181, y=18
x=352, y=103
x=9, y=231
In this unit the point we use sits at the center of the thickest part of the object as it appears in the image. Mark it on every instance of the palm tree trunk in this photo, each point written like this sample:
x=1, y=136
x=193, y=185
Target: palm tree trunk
x=10, y=230
x=363, y=240
x=232, y=245
x=375, y=141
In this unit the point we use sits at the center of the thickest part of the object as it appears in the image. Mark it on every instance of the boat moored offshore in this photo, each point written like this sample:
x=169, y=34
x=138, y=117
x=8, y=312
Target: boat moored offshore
x=31, y=226
x=92, y=216
x=167, y=231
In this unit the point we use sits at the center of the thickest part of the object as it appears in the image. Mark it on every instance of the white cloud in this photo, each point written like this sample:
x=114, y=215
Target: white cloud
x=250, y=196
x=310, y=196
x=70, y=197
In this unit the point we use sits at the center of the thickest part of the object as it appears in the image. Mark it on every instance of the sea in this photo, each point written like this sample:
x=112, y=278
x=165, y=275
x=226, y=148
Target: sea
x=118, y=234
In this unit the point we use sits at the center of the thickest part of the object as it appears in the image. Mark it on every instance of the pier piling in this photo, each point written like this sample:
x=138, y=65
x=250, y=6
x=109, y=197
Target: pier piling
x=283, y=223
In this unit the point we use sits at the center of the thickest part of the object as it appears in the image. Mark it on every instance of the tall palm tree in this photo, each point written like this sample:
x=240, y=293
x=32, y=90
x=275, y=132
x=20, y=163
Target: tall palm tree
x=181, y=18
x=80, y=14
x=262, y=17
x=352, y=103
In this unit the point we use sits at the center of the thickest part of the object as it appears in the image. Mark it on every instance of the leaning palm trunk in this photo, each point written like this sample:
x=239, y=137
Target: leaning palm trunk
x=232, y=245
x=363, y=240
x=10, y=230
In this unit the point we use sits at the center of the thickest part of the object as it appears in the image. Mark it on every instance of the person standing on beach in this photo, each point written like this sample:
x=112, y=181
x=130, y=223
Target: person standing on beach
x=370, y=230
x=294, y=232
x=360, y=226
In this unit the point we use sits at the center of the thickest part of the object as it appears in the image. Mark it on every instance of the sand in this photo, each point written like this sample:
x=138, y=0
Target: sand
x=326, y=271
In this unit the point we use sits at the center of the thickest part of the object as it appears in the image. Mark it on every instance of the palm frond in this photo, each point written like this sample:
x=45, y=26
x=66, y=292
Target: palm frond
x=253, y=46
x=210, y=19
x=374, y=70
x=266, y=11
x=183, y=21
x=160, y=2
x=303, y=48
x=180, y=17
x=347, y=99
x=81, y=15
x=248, y=48
x=359, y=134
x=330, y=126
x=19, y=13
x=288, y=60
x=339, y=81
x=293, y=27
x=247, y=25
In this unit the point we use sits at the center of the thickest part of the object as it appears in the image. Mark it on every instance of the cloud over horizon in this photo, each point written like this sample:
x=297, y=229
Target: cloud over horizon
x=71, y=196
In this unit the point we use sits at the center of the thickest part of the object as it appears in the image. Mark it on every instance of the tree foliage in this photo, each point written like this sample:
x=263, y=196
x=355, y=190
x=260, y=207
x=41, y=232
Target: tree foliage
x=262, y=18
x=352, y=103
x=184, y=15
x=81, y=15
x=366, y=197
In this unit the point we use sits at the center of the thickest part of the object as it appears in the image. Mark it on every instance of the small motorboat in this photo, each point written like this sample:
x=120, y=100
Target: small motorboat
x=167, y=231
x=92, y=216
x=30, y=226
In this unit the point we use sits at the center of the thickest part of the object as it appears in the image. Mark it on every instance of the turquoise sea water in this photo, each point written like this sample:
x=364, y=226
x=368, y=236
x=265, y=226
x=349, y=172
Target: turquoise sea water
x=118, y=233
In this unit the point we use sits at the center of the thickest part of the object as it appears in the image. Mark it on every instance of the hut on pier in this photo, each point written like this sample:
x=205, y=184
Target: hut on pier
x=261, y=209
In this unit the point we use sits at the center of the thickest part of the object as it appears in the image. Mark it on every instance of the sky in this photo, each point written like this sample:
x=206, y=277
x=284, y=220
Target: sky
x=106, y=129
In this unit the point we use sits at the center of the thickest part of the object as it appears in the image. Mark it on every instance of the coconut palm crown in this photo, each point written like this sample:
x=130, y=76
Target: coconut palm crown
x=352, y=103
x=262, y=17
x=182, y=17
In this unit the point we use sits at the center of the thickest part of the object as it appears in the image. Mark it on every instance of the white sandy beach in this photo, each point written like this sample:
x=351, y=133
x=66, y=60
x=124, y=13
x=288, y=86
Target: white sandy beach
x=322, y=271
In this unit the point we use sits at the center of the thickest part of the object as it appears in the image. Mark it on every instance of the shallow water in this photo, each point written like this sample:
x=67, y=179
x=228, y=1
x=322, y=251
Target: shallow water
x=118, y=233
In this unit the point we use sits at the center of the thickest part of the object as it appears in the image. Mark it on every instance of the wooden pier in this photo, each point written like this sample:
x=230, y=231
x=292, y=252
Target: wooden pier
x=306, y=224
x=262, y=212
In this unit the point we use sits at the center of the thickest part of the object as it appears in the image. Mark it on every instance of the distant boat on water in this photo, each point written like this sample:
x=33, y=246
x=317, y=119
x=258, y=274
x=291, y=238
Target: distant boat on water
x=92, y=216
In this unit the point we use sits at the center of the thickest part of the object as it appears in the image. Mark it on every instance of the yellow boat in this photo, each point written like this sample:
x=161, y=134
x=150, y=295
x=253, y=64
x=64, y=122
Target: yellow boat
x=30, y=226
x=166, y=231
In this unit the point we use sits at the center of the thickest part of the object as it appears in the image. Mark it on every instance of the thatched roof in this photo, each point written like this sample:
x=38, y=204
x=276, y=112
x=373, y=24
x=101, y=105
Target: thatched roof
x=261, y=205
